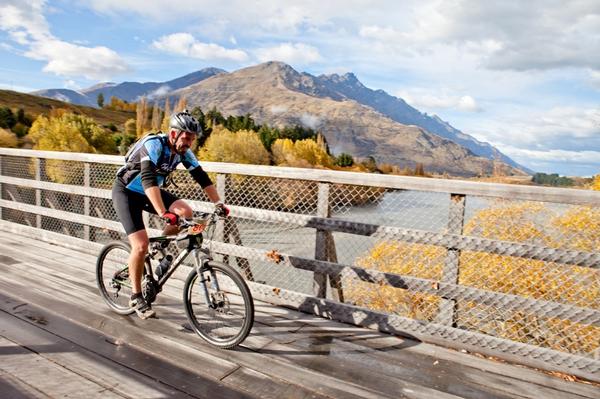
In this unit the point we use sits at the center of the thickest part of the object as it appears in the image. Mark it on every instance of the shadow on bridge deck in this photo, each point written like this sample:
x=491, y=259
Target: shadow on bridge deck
x=57, y=339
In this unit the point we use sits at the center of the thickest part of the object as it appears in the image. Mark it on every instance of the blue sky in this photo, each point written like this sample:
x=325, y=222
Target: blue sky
x=523, y=76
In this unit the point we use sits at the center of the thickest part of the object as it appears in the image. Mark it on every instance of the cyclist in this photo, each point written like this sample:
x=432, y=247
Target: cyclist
x=138, y=187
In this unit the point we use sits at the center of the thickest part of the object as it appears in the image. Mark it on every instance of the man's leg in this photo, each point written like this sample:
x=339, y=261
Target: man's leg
x=139, y=247
x=181, y=209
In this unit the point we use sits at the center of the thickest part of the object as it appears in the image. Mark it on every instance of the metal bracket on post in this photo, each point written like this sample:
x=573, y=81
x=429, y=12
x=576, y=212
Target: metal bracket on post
x=456, y=220
x=1, y=161
x=38, y=192
x=86, y=200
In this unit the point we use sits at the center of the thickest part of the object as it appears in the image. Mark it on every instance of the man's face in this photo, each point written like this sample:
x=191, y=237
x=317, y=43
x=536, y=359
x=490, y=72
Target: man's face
x=185, y=140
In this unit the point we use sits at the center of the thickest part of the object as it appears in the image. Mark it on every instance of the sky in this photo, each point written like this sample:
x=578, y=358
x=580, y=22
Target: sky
x=523, y=76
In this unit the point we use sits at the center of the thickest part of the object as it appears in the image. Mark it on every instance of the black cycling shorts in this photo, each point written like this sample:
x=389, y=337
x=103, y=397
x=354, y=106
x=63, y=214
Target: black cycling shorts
x=129, y=206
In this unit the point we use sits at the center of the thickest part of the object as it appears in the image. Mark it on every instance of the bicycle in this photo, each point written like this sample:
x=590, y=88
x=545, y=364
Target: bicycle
x=217, y=301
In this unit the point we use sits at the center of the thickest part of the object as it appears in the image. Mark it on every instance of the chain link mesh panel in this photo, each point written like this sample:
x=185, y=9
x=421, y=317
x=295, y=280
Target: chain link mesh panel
x=507, y=279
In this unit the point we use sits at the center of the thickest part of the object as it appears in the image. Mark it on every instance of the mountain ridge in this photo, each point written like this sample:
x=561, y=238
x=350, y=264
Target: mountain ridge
x=269, y=92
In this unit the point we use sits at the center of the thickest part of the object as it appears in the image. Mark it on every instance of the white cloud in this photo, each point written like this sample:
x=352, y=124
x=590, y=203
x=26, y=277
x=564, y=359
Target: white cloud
x=595, y=78
x=161, y=91
x=297, y=53
x=66, y=59
x=424, y=98
x=71, y=84
x=27, y=26
x=278, y=109
x=555, y=156
x=310, y=120
x=567, y=128
x=185, y=44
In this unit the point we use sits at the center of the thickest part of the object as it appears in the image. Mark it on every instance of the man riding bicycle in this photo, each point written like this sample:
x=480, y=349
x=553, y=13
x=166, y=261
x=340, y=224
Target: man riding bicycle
x=138, y=187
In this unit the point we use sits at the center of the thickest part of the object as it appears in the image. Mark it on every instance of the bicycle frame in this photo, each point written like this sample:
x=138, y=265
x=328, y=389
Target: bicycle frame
x=201, y=258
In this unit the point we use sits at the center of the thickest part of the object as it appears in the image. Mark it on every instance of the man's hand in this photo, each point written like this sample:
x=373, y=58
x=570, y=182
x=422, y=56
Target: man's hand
x=170, y=218
x=221, y=210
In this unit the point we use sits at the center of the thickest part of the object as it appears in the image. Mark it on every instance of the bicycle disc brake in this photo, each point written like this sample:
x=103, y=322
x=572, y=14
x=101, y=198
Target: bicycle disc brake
x=220, y=303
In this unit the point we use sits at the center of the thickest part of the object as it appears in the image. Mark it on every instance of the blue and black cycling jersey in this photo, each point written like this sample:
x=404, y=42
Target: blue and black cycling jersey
x=151, y=160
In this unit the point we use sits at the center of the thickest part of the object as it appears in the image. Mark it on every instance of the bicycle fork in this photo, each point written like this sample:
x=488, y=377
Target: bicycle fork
x=201, y=260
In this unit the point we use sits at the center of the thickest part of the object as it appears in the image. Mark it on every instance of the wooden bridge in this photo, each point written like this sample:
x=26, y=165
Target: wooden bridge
x=366, y=286
x=58, y=339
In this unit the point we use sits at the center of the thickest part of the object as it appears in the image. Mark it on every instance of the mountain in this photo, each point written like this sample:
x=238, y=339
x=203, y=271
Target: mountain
x=67, y=96
x=132, y=91
x=353, y=118
x=276, y=94
x=35, y=105
x=128, y=91
x=348, y=86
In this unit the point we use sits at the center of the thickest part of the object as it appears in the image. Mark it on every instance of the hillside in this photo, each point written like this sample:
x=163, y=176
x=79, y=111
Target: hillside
x=275, y=93
x=36, y=105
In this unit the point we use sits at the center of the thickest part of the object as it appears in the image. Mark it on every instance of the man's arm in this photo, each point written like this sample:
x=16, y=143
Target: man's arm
x=155, y=198
x=211, y=192
x=151, y=188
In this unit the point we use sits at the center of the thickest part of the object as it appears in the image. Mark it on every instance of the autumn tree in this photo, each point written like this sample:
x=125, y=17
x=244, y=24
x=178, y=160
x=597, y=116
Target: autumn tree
x=181, y=105
x=596, y=183
x=167, y=116
x=141, y=114
x=7, y=139
x=241, y=147
x=156, y=118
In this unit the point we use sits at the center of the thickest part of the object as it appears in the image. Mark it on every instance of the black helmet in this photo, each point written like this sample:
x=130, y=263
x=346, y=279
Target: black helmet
x=184, y=121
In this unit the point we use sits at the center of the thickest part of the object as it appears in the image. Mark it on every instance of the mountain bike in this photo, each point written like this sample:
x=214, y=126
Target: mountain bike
x=217, y=301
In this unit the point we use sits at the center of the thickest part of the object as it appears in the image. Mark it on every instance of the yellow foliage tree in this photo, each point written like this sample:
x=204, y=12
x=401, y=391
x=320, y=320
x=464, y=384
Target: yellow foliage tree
x=181, y=105
x=156, y=120
x=303, y=153
x=68, y=133
x=8, y=139
x=577, y=228
x=596, y=183
x=141, y=114
x=165, y=122
x=240, y=147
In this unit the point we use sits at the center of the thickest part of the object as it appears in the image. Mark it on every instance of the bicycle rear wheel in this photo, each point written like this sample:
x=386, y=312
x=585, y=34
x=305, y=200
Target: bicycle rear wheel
x=112, y=276
x=228, y=317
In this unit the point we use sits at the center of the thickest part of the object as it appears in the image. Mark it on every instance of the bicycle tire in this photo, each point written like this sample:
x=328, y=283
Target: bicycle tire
x=112, y=259
x=208, y=322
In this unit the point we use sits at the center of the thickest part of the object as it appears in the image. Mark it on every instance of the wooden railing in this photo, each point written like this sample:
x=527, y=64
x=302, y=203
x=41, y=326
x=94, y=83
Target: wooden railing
x=328, y=296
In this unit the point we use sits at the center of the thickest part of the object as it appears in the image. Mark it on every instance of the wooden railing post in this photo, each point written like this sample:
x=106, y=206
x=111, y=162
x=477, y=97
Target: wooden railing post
x=221, y=190
x=456, y=220
x=38, y=192
x=325, y=250
x=86, y=200
x=1, y=160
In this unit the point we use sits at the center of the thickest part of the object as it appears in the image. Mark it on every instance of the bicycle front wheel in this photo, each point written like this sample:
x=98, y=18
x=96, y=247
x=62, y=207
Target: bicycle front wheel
x=219, y=305
x=112, y=276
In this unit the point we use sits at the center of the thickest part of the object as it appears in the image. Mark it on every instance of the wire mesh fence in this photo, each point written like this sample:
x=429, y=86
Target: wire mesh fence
x=519, y=271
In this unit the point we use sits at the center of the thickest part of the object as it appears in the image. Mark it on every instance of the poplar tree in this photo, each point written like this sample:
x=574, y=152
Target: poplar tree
x=165, y=122
x=156, y=121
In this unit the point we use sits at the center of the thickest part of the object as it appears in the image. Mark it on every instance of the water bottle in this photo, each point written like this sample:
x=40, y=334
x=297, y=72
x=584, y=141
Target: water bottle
x=163, y=266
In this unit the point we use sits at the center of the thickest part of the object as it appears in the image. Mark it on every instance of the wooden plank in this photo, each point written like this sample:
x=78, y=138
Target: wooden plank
x=46, y=376
x=279, y=311
x=77, y=361
x=161, y=329
x=264, y=386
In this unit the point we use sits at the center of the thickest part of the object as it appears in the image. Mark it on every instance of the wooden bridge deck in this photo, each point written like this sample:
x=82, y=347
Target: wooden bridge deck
x=58, y=339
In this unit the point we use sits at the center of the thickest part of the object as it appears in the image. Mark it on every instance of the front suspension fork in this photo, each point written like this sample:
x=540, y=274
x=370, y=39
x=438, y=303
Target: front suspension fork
x=201, y=260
